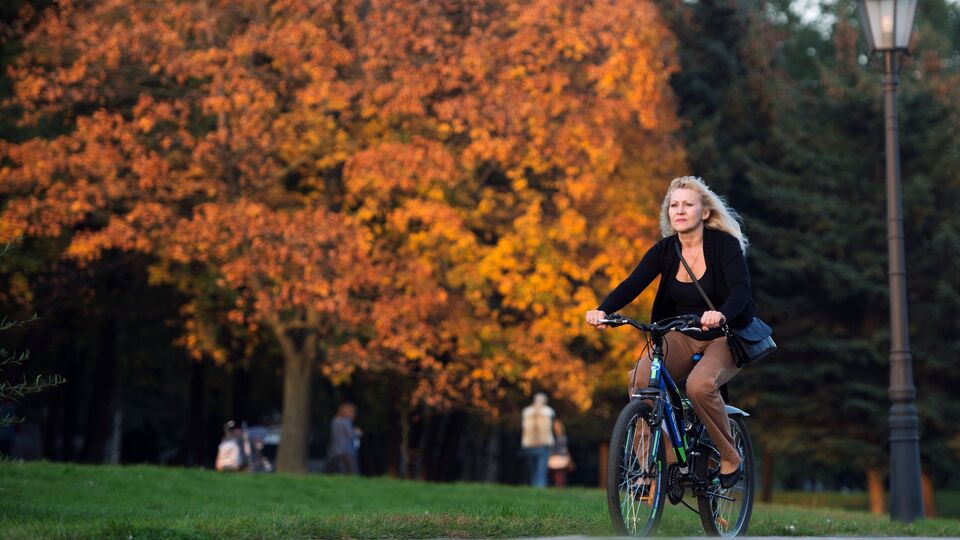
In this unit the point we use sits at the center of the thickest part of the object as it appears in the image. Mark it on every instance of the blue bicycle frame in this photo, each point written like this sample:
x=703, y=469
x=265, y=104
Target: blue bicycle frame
x=670, y=411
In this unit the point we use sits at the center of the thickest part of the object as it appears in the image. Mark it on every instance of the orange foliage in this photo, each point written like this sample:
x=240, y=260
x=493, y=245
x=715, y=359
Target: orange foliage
x=437, y=188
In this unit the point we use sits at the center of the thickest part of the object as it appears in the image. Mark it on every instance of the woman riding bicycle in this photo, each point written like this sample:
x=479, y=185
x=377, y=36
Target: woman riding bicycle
x=709, y=235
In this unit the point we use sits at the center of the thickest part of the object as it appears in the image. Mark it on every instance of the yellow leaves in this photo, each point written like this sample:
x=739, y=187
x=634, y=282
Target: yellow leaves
x=145, y=124
x=570, y=44
x=483, y=374
x=199, y=334
x=516, y=72
x=612, y=73
x=571, y=225
x=277, y=261
x=72, y=74
x=392, y=170
x=484, y=184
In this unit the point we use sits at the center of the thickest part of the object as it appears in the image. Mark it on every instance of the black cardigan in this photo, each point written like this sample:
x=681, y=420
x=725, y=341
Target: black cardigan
x=721, y=252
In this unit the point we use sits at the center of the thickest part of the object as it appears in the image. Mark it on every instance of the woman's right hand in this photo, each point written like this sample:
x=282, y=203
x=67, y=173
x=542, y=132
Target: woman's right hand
x=594, y=317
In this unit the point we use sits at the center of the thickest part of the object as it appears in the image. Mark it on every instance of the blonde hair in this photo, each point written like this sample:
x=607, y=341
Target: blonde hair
x=722, y=217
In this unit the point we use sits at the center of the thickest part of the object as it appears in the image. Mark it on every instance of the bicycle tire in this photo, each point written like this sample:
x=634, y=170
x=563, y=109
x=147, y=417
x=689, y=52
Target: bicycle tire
x=635, y=494
x=715, y=511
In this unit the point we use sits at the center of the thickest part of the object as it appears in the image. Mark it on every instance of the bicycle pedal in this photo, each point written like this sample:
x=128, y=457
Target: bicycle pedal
x=644, y=492
x=648, y=498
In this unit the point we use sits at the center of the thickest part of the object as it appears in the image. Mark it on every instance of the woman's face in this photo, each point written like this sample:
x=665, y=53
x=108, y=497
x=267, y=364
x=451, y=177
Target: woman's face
x=686, y=210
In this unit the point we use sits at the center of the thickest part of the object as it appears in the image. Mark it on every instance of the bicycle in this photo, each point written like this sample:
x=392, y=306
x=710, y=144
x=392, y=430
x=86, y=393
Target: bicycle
x=639, y=477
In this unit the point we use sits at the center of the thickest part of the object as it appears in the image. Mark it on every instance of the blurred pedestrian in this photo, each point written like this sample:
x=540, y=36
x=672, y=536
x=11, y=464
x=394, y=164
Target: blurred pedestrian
x=232, y=454
x=560, y=461
x=537, y=438
x=344, y=446
x=255, y=440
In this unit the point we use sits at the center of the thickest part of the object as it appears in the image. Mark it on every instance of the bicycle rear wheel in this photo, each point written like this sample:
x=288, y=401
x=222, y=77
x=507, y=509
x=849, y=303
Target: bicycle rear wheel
x=726, y=512
x=636, y=472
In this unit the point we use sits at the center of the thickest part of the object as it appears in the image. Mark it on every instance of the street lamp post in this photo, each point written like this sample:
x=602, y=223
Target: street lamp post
x=888, y=25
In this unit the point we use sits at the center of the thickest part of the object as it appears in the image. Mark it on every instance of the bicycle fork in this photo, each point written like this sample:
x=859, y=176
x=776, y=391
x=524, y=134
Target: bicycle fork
x=670, y=420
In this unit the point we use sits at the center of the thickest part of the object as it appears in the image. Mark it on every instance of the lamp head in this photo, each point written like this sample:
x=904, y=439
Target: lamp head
x=887, y=23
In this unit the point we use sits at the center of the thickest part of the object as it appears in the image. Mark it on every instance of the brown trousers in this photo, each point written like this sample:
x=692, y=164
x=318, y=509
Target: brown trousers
x=704, y=379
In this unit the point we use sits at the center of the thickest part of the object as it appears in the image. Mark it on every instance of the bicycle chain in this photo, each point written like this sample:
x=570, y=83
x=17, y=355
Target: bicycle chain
x=674, y=484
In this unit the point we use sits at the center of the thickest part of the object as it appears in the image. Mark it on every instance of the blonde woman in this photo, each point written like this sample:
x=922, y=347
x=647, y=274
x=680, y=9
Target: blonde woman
x=708, y=233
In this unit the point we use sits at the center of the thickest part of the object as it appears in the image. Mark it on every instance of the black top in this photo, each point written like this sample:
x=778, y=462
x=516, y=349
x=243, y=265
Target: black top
x=727, y=282
x=686, y=298
x=688, y=301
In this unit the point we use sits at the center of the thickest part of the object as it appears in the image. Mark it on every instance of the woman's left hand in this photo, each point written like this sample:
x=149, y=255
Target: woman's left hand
x=711, y=319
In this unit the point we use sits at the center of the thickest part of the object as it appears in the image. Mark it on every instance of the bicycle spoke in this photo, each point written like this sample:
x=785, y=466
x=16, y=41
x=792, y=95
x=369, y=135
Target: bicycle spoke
x=726, y=512
x=637, y=480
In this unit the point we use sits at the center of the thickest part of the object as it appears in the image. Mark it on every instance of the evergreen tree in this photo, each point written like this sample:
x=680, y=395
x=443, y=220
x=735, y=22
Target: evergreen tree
x=789, y=124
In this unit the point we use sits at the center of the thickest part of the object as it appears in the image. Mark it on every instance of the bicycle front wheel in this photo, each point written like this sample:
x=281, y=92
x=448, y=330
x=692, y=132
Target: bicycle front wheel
x=636, y=472
x=726, y=512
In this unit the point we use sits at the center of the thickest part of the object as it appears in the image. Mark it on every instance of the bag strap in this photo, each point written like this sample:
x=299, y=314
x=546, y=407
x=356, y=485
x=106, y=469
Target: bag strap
x=724, y=392
x=689, y=270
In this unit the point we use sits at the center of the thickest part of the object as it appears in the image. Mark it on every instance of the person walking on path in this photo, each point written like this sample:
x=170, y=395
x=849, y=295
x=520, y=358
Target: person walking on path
x=343, y=449
x=537, y=438
x=707, y=232
x=233, y=454
x=560, y=461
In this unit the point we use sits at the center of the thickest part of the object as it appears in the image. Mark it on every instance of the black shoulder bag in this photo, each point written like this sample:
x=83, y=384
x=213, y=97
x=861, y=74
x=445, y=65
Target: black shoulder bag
x=747, y=344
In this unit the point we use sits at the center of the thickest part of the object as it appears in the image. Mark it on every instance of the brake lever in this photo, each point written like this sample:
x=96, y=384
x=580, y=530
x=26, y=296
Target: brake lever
x=690, y=322
x=614, y=320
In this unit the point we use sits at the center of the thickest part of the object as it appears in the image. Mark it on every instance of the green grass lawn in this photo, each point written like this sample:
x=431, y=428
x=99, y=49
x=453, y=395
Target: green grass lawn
x=947, y=502
x=48, y=500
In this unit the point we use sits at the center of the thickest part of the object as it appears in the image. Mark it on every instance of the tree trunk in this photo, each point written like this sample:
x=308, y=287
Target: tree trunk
x=100, y=416
x=394, y=441
x=195, y=444
x=241, y=393
x=71, y=397
x=115, y=444
x=432, y=452
x=52, y=422
x=878, y=504
x=491, y=457
x=510, y=458
x=424, y=444
x=451, y=448
x=405, y=444
x=297, y=393
x=115, y=447
x=54, y=439
x=766, y=492
x=929, y=502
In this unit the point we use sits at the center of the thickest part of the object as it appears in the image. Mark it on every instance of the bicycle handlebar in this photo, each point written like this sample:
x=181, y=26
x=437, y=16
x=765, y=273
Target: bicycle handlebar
x=681, y=322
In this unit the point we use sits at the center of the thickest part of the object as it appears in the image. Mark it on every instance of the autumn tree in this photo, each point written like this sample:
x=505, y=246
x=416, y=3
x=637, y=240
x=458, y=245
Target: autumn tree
x=497, y=161
x=435, y=189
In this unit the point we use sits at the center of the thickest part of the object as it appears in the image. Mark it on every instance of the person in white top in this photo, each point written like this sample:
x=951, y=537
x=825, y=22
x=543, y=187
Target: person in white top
x=232, y=454
x=537, y=438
